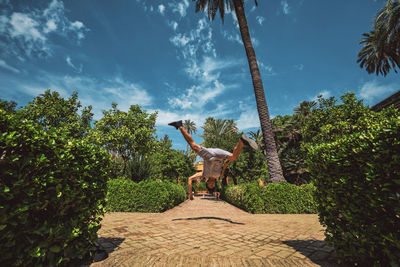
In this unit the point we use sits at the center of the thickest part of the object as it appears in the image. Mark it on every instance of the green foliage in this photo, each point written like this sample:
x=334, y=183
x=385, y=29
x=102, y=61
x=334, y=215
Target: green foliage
x=126, y=133
x=170, y=164
x=288, y=137
x=199, y=187
x=288, y=198
x=145, y=196
x=164, y=163
x=52, y=192
x=8, y=106
x=380, y=52
x=51, y=110
x=250, y=166
x=219, y=133
x=139, y=168
x=353, y=156
x=273, y=198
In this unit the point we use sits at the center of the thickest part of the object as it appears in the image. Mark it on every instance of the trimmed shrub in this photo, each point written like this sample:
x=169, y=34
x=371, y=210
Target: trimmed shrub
x=52, y=192
x=273, y=198
x=146, y=196
x=357, y=174
x=289, y=198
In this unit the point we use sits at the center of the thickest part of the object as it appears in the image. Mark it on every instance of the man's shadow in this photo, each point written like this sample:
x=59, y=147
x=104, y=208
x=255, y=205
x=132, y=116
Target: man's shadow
x=106, y=245
x=207, y=218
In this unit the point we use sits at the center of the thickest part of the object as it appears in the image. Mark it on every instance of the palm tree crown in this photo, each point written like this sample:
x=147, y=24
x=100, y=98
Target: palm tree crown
x=381, y=51
x=216, y=128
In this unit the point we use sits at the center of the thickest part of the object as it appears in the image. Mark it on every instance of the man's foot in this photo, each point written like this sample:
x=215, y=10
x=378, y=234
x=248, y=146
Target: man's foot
x=176, y=124
x=249, y=142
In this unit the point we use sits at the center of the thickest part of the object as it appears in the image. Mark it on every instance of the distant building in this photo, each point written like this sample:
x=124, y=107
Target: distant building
x=391, y=100
x=199, y=166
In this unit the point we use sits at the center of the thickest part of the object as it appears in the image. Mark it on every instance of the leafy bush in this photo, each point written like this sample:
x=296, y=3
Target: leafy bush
x=273, y=198
x=355, y=165
x=250, y=166
x=145, y=196
x=170, y=164
x=52, y=192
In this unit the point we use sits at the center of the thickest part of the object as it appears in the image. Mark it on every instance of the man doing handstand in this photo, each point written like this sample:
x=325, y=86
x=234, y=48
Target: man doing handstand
x=214, y=165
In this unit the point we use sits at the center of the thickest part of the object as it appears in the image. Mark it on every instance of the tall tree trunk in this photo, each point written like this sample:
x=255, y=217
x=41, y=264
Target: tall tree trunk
x=274, y=165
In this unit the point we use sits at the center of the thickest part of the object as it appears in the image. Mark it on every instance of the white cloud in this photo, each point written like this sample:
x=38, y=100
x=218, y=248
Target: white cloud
x=285, y=7
x=206, y=74
x=77, y=25
x=266, y=68
x=373, y=92
x=50, y=26
x=75, y=68
x=260, y=19
x=232, y=37
x=173, y=25
x=4, y=65
x=237, y=39
x=29, y=33
x=325, y=94
x=180, y=7
x=161, y=9
x=24, y=26
x=99, y=93
x=180, y=40
x=195, y=39
x=249, y=116
x=3, y=23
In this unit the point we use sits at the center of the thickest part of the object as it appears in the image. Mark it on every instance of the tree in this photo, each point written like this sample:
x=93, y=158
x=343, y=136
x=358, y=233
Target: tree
x=220, y=133
x=381, y=51
x=212, y=6
x=8, y=106
x=126, y=133
x=190, y=127
x=52, y=110
x=257, y=136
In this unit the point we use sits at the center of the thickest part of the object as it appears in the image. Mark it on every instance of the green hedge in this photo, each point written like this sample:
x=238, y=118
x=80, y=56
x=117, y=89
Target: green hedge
x=145, y=196
x=273, y=198
x=358, y=180
x=52, y=192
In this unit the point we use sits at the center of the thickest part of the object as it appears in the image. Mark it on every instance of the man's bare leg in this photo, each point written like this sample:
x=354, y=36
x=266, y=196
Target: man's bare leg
x=236, y=151
x=194, y=177
x=186, y=135
x=244, y=140
x=189, y=139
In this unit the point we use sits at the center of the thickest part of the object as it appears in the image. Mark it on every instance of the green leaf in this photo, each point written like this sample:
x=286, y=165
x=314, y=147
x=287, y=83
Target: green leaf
x=55, y=249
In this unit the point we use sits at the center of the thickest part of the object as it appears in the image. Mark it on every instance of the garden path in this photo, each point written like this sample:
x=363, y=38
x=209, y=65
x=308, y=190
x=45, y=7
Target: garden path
x=211, y=232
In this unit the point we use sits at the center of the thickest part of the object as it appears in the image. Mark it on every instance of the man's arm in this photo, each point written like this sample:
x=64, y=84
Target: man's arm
x=194, y=177
x=223, y=168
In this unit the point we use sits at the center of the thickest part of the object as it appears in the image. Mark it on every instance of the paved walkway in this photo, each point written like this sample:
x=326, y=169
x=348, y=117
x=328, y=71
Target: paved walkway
x=210, y=232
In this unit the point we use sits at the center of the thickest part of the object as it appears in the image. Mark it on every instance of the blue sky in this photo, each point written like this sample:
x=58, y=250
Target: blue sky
x=166, y=58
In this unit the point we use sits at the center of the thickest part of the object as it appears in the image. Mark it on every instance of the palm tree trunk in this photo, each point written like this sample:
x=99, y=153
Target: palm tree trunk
x=274, y=165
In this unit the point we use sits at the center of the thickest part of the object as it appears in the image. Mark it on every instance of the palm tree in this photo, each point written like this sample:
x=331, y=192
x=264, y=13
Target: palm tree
x=257, y=136
x=190, y=127
x=218, y=127
x=212, y=6
x=381, y=51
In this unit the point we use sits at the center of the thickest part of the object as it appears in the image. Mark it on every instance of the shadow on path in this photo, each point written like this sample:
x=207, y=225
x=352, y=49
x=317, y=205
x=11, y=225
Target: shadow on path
x=316, y=250
x=207, y=218
x=109, y=244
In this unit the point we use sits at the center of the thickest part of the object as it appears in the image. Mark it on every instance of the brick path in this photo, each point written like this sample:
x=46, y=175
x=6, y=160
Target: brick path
x=210, y=232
